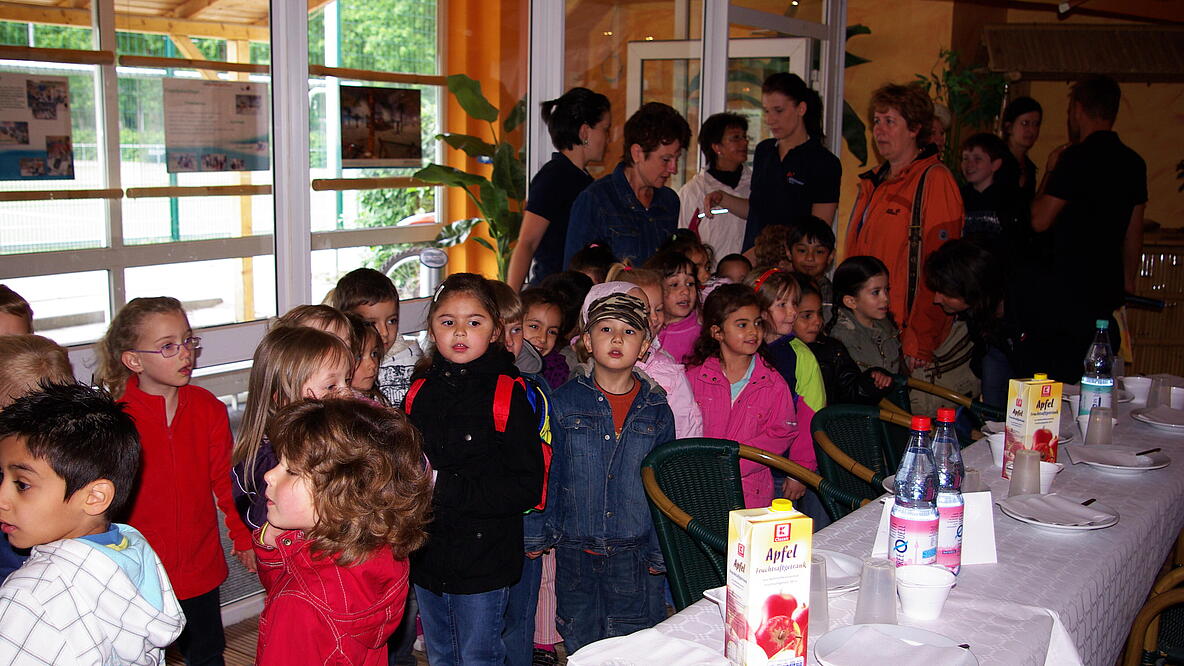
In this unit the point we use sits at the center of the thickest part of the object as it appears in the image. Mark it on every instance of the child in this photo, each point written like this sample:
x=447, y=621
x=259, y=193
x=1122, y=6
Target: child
x=147, y=358
x=861, y=320
x=741, y=396
x=680, y=299
x=811, y=247
x=372, y=296
x=530, y=609
x=733, y=267
x=366, y=345
x=594, y=261
x=543, y=322
x=321, y=317
x=845, y=383
x=771, y=247
x=994, y=210
x=290, y=363
x=16, y=316
x=687, y=244
x=92, y=591
x=348, y=502
x=657, y=363
x=571, y=287
x=778, y=294
x=487, y=453
x=608, y=563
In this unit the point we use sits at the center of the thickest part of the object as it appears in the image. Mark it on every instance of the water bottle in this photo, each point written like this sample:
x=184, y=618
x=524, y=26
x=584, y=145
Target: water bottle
x=912, y=527
x=1097, y=382
x=947, y=457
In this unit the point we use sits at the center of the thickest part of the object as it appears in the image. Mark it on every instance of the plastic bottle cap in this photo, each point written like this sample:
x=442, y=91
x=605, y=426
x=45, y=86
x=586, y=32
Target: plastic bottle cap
x=1103, y=323
x=1040, y=376
x=920, y=423
x=781, y=505
x=946, y=415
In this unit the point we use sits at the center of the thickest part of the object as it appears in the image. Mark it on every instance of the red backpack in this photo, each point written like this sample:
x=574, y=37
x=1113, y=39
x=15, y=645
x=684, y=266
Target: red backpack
x=502, y=396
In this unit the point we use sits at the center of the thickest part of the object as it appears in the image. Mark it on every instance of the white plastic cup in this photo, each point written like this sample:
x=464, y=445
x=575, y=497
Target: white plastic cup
x=1139, y=387
x=1048, y=472
x=1075, y=403
x=1177, y=400
x=1025, y=473
x=997, y=442
x=877, y=587
x=923, y=590
x=819, y=622
x=1083, y=425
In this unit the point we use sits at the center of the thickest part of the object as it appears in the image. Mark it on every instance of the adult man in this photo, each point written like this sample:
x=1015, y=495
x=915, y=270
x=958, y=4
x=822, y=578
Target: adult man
x=1091, y=203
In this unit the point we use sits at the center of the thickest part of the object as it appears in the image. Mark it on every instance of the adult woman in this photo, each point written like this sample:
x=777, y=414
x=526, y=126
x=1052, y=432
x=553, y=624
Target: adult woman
x=631, y=209
x=889, y=203
x=723, y=139
x=793, y=175
x=578, y=123
x=1021, y=129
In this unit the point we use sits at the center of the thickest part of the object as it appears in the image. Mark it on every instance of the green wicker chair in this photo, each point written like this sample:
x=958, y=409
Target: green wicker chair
x=1157, y=634
x=898, y=400
x=856, y=449
x=691, y=485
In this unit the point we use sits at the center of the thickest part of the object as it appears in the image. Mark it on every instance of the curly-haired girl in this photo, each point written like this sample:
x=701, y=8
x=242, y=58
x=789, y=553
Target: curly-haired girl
x=347, y=504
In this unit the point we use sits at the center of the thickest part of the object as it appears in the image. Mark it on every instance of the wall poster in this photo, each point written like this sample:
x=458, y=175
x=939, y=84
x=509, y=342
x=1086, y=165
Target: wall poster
x=35, y=141
x=380, y=127
x=216, y=126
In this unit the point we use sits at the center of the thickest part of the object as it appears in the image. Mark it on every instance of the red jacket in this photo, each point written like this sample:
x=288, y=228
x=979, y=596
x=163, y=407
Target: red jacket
x=879, y=227
x=184, y=467
x=320, y=613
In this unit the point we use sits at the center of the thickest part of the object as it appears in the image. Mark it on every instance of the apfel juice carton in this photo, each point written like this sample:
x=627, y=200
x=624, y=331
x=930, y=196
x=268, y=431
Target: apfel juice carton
x=1033, y=419
x=768, y=585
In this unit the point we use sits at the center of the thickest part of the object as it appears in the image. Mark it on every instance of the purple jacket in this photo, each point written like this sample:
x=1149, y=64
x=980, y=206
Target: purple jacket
x=762, y=416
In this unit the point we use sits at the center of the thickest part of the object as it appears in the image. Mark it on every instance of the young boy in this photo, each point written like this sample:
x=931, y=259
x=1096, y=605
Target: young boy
x=92, y=591
x=993, y=210
x=373, y=297
x=811, y=248
x=734, y=267
x=608, y=418
x=16, y=316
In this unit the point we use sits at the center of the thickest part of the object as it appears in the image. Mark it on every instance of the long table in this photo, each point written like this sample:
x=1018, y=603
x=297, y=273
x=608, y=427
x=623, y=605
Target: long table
x=1054, y=597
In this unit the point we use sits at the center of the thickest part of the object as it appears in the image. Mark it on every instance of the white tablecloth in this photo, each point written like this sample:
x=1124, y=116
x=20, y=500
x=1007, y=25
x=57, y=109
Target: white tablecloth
x=1054, y=598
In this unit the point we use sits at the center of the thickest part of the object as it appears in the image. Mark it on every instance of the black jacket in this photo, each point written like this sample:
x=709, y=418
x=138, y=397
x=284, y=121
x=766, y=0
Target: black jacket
x=845, y=383
x=485, y=481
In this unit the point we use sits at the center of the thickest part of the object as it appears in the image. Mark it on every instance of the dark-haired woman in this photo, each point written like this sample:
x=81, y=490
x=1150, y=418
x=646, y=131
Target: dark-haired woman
x=631, y=209
x=793, y=174
x=578, y=123
x=1021, y=129
x=723, y=140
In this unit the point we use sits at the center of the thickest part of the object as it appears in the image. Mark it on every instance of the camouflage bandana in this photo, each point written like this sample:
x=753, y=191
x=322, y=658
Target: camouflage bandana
x=622, y=307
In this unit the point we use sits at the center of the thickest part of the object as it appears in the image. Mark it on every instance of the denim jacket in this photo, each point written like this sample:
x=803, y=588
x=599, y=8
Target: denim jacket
x=602, y=506
x=607, y=211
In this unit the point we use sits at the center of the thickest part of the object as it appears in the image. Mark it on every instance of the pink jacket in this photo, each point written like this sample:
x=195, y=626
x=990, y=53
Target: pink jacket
x=671, y=376
x=762, y=416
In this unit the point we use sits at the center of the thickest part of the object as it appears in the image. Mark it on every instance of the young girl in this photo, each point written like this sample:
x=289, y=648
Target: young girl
x=741, y=396
x=680, y=299
x=687, y=244
x=861, y=319
x=366, y=345
x=290, y=363
x=321, y=317
x=489, y=463
x=543, y=326
x=609, y=418
x=778, y=293
x=845, y=382
x=347, y=504
x=146, y=358
x=658, y=363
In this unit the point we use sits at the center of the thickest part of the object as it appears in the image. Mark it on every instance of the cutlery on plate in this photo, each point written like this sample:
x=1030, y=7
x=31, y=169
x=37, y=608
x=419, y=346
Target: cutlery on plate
x=1150, y=451
x=1089, y=501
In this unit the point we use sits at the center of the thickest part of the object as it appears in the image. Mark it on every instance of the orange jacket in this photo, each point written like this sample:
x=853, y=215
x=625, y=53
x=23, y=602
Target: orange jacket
x=879, y=227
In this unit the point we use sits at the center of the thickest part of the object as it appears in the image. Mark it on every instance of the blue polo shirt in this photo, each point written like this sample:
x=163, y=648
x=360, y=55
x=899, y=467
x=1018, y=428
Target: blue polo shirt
x=607, y=211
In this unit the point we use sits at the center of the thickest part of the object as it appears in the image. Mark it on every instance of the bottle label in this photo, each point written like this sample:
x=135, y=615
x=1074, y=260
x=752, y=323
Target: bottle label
x=1095, y=392
x=949, y=532
x=912, y=540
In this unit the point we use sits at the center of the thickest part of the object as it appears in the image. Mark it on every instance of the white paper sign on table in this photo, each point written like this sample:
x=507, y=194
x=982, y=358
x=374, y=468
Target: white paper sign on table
x=978, y=530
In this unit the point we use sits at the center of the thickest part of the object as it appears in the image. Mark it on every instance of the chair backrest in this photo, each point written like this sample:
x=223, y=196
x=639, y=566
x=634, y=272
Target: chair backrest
x=859, y=432
x=701, y=476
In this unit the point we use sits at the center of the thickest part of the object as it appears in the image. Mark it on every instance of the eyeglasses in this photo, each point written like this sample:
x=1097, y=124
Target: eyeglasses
x=171, y=349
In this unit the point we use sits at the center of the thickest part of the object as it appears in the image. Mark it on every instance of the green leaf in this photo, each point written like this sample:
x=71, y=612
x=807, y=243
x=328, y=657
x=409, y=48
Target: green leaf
x=473, y=146
x=484, y=243
x=509, y=173
x=495, y=206
x=854, y=133
x=858, y=29
x=853, y=60
x=438, y=174
x=455, y=233
x=517, y=116
x=468, y=95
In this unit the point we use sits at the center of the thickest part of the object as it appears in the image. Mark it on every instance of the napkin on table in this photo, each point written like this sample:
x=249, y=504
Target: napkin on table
x=892, y=651
x=644, y=648
x=1107, y=455
x=1053, y=508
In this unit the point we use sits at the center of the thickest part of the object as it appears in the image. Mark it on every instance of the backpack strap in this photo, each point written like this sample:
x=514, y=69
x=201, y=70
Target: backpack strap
x=410, y=397
x=502, y=395
x=915, y=240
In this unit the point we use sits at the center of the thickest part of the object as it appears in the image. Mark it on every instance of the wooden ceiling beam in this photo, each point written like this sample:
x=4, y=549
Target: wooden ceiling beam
x=11, y=11
x=190, y=50
x=195, y=8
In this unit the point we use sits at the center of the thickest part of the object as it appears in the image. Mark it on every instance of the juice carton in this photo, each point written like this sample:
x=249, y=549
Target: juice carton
x=1033, y=419
x=768, y=585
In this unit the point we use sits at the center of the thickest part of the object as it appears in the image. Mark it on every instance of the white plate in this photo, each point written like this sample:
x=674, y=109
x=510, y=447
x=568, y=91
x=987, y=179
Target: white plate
x=1142, y=417
x=833, y=640
x=1157, y=460
x=889, y=484
x=1054, y=526
x=842, y=572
